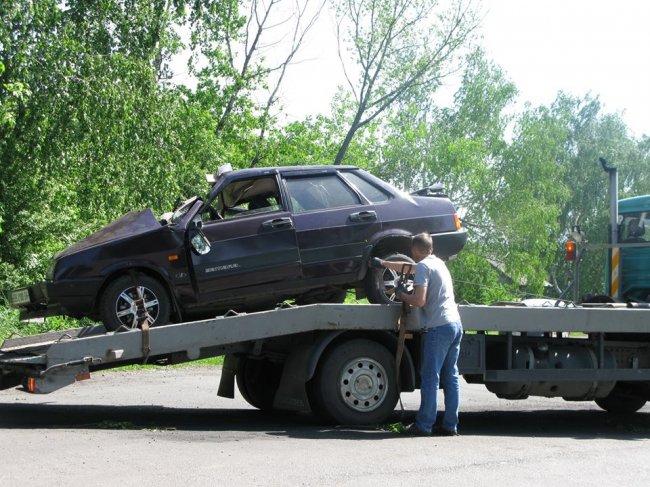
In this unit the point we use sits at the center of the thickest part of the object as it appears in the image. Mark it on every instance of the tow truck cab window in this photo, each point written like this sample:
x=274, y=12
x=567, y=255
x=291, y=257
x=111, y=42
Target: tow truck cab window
x=243, y=198
x=633, y=228
x=318, y=192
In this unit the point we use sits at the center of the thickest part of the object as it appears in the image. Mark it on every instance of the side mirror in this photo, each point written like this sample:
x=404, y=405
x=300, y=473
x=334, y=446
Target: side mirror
x=200, y=243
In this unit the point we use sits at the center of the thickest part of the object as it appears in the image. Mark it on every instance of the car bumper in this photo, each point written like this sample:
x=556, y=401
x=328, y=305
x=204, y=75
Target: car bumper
x=448, y=244
x=46, y=298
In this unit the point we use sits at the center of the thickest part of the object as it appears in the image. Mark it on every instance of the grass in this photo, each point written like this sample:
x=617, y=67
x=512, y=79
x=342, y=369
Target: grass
x=211, y=361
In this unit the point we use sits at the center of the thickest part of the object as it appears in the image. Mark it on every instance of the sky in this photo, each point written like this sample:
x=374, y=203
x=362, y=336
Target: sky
x=577, y=46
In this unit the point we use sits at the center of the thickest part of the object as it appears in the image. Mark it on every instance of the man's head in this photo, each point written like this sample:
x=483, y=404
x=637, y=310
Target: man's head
x=421, y=246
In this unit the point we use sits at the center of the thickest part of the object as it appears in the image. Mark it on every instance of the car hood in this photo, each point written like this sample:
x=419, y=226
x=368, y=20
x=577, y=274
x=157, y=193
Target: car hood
x=132, y=224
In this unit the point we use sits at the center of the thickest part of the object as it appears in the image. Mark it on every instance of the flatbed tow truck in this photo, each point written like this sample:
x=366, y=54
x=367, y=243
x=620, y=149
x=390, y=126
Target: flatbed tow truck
x=338, y=360
x=349, y=362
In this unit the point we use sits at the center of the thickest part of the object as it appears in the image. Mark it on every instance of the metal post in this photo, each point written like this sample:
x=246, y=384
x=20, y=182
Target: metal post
x=614, y=283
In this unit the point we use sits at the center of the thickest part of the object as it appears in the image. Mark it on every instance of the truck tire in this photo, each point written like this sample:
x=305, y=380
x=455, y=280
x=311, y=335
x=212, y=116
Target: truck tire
x=117, y=308
x=380, y=283
x=258, y=381
x=620, y=401
x=356, y=383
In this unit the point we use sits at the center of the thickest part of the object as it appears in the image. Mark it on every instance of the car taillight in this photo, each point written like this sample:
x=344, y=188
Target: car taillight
x=457, y=221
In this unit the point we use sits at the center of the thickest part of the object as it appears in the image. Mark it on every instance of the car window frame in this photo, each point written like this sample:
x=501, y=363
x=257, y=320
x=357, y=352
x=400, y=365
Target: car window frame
x=285, y=177
x=359, y=174
x=278, y=184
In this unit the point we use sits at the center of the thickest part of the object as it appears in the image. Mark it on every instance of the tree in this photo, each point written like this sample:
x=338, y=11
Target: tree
x=236, y=49
x=398, y=46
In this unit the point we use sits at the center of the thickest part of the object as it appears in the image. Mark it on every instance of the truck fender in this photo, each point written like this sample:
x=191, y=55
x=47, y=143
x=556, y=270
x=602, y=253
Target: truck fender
x=299, y=368
x=389, y=340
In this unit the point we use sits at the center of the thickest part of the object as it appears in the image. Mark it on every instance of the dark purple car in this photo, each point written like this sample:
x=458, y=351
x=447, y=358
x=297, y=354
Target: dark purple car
x=260, y=236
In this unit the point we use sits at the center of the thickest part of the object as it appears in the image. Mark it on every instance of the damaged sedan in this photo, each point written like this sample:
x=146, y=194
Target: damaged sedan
x=259, y=237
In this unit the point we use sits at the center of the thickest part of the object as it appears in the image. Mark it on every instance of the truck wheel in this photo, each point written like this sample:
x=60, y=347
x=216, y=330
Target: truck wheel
x=619, y=401
x=356, y=383
x=117, y=305
x=380, y=283
x=258, y=381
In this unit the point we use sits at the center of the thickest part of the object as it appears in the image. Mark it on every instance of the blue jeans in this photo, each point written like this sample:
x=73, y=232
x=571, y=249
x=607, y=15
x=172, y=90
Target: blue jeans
x=440, y=349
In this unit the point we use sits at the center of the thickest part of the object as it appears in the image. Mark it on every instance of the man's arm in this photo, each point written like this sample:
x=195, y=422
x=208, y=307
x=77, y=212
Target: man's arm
x=417, y=299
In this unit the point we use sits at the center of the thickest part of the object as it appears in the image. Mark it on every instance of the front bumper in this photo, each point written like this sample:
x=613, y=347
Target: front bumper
x=46, y=298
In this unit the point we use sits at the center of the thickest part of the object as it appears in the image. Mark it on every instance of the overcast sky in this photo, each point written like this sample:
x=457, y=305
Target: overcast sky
x=578, y=46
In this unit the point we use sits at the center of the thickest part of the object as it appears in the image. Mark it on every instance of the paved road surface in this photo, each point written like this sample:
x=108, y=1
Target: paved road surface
x=167, y=427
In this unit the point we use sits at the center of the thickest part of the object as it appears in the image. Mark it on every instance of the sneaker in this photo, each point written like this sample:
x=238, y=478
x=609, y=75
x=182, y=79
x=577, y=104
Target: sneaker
x=413, y=430
x=438, y=431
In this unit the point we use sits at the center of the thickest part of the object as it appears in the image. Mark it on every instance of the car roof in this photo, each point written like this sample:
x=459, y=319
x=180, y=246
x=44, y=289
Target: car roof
x=295, y=170
x=256, y=171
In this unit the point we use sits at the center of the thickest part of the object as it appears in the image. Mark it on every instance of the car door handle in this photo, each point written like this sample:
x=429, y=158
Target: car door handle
x=363, y=216
x=277, y=223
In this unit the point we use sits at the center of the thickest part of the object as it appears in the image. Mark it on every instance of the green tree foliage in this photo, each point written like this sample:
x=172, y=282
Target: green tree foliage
x=97, y=134
x=397, y=47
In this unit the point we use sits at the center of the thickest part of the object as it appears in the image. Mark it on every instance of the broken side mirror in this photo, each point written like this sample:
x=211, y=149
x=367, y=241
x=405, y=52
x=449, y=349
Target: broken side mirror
x=200, y=243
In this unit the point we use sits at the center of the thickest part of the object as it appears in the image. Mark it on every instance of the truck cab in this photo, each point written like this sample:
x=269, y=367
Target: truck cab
x=634, y=217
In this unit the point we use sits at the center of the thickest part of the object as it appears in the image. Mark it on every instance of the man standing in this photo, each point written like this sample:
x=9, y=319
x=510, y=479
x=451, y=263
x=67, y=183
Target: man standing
x=439, y=318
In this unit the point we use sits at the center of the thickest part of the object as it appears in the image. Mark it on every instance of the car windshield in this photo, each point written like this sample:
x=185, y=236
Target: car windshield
x=180, y=212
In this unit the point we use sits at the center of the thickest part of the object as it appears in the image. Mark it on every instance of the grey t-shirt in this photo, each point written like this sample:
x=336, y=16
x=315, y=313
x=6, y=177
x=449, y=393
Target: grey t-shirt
x=440, y=307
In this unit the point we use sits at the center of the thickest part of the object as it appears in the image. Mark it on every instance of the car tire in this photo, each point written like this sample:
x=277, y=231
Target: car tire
x=258, y=381
x=117, y=311
x=355, y=384
x=380, y=283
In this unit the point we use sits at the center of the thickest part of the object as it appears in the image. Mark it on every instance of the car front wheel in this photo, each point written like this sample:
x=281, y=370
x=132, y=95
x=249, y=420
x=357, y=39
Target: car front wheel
x=118, y=303
x=381, y=283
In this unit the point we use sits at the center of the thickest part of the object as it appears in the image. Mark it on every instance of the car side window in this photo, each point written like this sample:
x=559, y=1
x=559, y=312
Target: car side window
x=244, y=198
x=319, y=192
x=369, y=190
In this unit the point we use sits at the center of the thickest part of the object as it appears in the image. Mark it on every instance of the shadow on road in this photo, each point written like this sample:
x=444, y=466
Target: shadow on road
x=531, y=423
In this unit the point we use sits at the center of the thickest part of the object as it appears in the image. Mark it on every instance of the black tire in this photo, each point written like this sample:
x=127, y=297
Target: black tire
x=116, y=311
x=356, y=384
x=380, y=283
x=258, y=381
x=621, y=401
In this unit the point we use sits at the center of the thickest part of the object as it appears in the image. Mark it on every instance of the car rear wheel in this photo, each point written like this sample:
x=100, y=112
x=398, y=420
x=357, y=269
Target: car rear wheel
x=118, y=303
x=380, y=283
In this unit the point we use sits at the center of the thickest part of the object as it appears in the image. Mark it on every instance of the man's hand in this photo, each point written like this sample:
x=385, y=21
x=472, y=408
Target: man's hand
x=400, y=289
x=376, y=263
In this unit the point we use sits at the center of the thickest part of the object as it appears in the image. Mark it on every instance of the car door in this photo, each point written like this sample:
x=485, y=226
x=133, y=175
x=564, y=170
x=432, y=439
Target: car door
x=333, y=225
x=252, y=239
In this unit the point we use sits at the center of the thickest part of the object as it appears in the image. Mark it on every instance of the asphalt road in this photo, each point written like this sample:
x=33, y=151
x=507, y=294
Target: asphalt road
x=167, y=427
